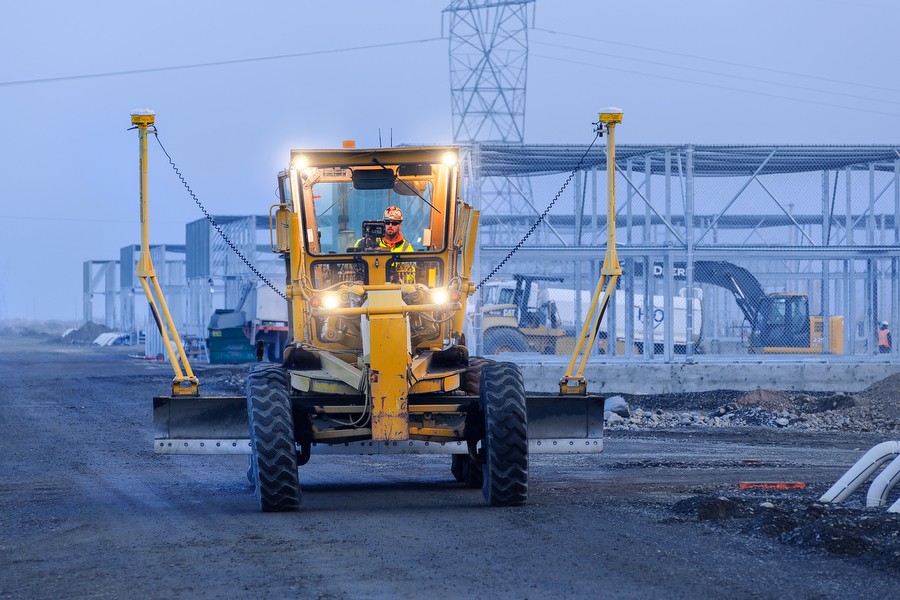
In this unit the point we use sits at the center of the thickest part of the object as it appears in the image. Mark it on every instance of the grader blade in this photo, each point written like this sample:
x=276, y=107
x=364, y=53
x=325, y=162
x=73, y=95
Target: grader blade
x=565, y=424
x=218, y=425
x=201, y=425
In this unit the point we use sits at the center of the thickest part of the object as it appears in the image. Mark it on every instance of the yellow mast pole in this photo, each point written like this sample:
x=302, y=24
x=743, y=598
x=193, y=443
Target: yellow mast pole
x=184, y=383
x=573, y=381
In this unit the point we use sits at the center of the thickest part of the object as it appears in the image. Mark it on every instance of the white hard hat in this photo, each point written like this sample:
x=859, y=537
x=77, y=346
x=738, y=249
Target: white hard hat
x=884, y=323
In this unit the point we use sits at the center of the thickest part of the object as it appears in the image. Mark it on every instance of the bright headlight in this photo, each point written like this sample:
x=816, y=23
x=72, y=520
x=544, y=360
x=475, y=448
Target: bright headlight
x=449, y=159
x=300, y=162
x=331, y=301
x=440, y=296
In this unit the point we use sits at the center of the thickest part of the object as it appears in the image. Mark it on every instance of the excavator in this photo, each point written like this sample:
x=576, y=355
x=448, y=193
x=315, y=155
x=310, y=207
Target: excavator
x=376, y=360
x=780, y=323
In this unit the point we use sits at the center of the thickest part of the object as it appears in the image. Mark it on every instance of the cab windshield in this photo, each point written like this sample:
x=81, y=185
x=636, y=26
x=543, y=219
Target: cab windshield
x=349, y=208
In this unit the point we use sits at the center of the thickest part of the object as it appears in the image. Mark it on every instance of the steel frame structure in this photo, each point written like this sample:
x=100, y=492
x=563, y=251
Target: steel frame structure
x=845, y=255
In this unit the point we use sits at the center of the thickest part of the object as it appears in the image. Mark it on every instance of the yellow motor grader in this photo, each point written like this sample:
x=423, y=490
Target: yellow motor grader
x=376, y=361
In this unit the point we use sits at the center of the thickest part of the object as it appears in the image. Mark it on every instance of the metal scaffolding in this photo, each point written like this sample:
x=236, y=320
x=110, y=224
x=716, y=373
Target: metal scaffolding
x=814, y=220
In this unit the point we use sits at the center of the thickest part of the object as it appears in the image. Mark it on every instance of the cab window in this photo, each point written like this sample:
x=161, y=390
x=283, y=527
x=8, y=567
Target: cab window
x=349, y=206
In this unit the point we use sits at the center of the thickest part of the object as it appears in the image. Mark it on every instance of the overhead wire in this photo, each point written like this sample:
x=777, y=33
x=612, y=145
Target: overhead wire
x=716, y=86
x=216, y=63
x=718, y=73
x=717, y=60
x=212, y=221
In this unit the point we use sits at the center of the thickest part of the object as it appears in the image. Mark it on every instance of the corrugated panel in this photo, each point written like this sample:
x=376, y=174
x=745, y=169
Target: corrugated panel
x=498, y=160
x=126, y=267
x=197, y=239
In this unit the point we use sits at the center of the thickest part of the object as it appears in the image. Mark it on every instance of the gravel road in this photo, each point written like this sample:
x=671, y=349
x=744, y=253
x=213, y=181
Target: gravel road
x=88, y=511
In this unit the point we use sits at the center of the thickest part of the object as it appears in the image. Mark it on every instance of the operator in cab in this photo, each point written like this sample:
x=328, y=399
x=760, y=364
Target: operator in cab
x=393, y=239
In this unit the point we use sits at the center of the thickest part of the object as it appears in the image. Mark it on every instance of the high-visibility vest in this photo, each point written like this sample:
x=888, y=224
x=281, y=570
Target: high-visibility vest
x=883, y=340
x=401, y=246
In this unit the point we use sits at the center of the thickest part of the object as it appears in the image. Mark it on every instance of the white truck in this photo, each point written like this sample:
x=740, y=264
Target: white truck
x=522, y=315
x=567, y=311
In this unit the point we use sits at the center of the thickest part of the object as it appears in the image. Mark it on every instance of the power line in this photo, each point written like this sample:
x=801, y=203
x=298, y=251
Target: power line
x=43, y=218
x=713, y=85
x=720, y=61
x=217, y=63
x=718, y=73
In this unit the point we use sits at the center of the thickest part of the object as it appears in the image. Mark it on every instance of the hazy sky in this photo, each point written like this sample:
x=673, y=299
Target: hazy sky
x=702, y=71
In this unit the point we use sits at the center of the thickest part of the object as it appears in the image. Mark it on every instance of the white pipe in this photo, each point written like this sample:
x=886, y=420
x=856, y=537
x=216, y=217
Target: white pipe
x=861, y=471
x=895, y=507
x=881, y=487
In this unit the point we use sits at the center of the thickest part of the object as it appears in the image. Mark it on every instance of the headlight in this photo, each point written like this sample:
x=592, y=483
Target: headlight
x=300, y=162
x=449, y=159
x=331, y=301
x=440, y=296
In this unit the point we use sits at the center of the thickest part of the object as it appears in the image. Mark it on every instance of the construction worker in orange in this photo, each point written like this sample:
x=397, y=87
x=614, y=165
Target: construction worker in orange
x=884, y=338
x=394, y=241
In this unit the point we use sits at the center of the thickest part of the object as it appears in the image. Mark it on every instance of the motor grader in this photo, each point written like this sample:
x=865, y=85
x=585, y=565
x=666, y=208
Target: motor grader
x=377, y=361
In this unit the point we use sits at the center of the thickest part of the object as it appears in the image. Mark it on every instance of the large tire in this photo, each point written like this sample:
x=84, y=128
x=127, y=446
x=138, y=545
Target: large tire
x=273, y=450
x=505, y=441
x=458, y=466
x=467, y=468
x=499, y=340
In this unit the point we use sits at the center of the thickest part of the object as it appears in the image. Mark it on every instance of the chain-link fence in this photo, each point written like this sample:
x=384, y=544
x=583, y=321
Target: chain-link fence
x=763, y=251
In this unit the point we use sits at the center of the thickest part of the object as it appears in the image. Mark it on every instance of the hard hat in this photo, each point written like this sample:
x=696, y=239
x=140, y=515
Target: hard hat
x=393, y=213
x=884, y=323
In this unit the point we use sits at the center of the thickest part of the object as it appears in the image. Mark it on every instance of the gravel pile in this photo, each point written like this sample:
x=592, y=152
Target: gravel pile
x=85, y=334
x=798, y=519
x=876, y=409
x=229, y=380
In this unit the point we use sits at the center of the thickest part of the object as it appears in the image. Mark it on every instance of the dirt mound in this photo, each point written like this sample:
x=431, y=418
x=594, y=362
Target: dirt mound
x=800, y=520
x=708, y=400
x=85, y=334
x=767, y=399
x=882, y=398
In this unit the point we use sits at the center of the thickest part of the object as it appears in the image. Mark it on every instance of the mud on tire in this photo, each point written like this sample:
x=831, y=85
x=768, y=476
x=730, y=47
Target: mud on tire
x=506, y=435
x=273, y=451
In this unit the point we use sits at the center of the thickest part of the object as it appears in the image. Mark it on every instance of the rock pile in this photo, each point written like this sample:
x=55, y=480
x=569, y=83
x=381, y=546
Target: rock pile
x=876, y=409
x=85, y=334
x=800, y=520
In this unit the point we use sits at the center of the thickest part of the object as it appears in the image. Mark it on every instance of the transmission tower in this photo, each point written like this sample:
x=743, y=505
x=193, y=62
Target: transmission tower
x=488, y=67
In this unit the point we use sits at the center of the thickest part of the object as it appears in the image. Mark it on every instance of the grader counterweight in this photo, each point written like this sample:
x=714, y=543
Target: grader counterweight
x=377, y=361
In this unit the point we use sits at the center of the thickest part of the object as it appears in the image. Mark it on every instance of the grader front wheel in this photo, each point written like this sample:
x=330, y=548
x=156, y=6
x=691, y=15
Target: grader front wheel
x=273, y=460
x=505, y=444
